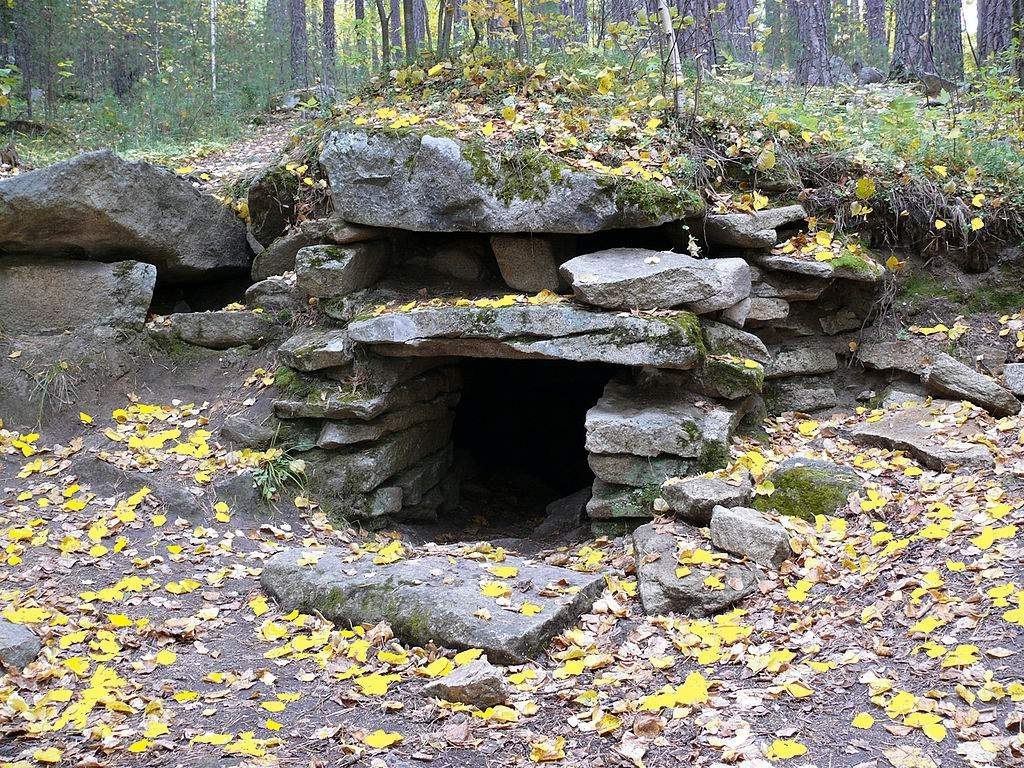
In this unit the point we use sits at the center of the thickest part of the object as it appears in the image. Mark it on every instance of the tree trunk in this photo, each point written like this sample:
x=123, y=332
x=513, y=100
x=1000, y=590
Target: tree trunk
x=330, y=43
x=697, y=40
x=949, y=43
x=874, y=22
x=409, y=26
x=911, y=49
x=673, y=64
x=395, y=21
x=813, y=64
x=738, y=32
x=360, y=16
x=299, y=43
x=213, y=46
x=385, y=37
x=995, y=18
x=579, y=14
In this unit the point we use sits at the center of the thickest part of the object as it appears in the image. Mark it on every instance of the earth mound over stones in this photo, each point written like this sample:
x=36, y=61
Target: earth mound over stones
x=99, y=206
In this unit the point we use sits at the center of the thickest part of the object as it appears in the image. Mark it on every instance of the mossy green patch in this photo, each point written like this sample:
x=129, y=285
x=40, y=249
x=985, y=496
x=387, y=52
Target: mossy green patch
x=527, y=174
x=655, y=200
x=713, y=455
x=292, y=383
x=851, y=262
x=732, y=378
x=685, y=329
x=805, y=491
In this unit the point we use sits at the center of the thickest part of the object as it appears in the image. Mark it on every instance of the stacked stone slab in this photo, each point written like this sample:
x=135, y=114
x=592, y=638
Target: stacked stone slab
x=641, y=433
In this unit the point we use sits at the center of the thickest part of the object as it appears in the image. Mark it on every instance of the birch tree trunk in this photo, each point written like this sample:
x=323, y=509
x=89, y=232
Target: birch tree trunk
x=674, y=65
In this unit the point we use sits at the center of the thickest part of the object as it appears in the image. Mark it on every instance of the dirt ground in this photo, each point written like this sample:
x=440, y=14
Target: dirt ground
x=894, y=637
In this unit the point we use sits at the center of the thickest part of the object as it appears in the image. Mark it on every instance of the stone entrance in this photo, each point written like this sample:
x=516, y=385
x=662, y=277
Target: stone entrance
x=519, y=434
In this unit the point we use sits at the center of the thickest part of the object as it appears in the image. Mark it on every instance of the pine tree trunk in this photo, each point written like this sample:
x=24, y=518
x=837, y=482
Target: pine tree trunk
x=360, y=15
x=579, y=14
x=409, y=26
x=911, y=50
x=874, y=22
x=738, y=31
x=385, y=37
x=330, y=34
x=396, y=25
x=813, y=58
x=948, y=36
x=994, y=22
x=697, y=40
x=299, y=43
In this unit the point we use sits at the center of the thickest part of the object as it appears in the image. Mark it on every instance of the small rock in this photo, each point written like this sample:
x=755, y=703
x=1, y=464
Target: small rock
x=333, y=270
x=279, y=256
x=563, y=515
x=1013, y=374
x=479, y=683
x=663, y=591
x=806, y=488
x=462, y=259
x=746, y=532
x=750, y=230
x=528, y=264
x=224, y=329
x=900, y=355
x=274, y=294
x=951, y=378
x=840, y=321
x=801, y=361
x=317, y=349
x=19, y=646
x=693, y=498
x=800, y=393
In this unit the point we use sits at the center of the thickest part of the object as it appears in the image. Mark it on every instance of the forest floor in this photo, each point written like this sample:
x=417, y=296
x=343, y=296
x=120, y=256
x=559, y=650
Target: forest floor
x=894, y=637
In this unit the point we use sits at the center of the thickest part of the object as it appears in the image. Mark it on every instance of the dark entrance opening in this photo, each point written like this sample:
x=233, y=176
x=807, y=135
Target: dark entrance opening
x=519, y=437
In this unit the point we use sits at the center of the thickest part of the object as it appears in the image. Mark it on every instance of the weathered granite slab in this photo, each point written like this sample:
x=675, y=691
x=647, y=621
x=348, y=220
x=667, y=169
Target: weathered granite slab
x=436, y=597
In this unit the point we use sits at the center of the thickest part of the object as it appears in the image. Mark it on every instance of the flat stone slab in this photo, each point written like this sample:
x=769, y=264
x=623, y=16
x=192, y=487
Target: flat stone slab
x=637, y=278
x=904, y=430
x=316, y=349
x=435, y=184
x=41, y=296
x=436, y=597
x=523, y=331
x=224, y=329
x=755, y=229
x=951, y=378
x=861, y=269
x=660, y=419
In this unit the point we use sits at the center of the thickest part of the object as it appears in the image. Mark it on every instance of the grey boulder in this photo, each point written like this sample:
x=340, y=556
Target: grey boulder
x=636, y=278
x=528, y=263
x=50, y=296
x=1013, y=375
x=665, y=587
x=279, y=256
x=19, y=646
x=435, y=597
x=336, y=270
x=806, y=487
x=433, y=184
x=694, y=498
x=224, y=329
x=478, y=683
x=951, y=378
x=746, y=532
x=98, y=206
x=317, y=349
x=749, y=230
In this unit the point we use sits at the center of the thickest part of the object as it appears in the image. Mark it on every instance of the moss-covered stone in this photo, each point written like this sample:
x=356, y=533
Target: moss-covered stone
x=805, y=488
x=654, y=199
x=525, y=175
x=293, y=383
x=851, y=262
x=686, y=329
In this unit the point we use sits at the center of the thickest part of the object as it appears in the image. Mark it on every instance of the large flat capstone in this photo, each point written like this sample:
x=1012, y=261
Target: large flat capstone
x=520, y=331
x=438, y=596
x=434, y=184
